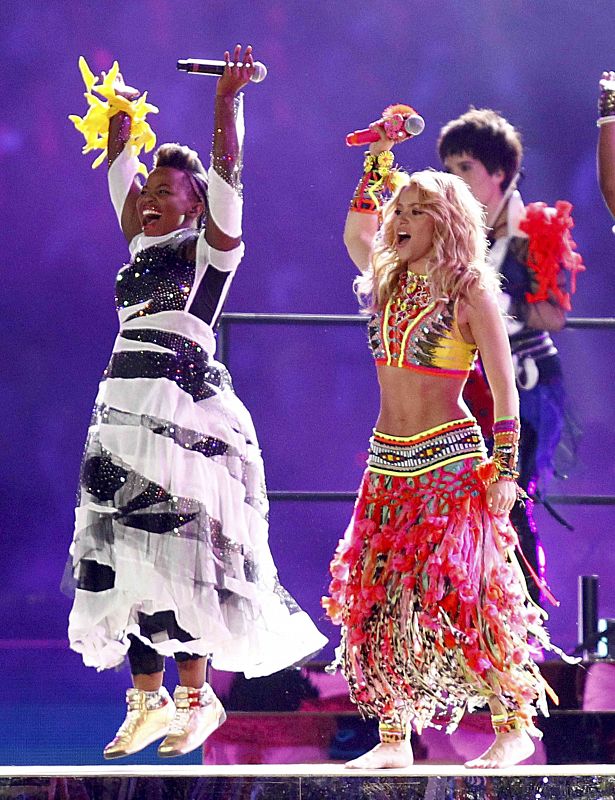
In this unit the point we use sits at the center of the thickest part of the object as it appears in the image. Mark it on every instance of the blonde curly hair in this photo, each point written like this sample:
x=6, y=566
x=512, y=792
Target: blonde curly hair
x=458, y=260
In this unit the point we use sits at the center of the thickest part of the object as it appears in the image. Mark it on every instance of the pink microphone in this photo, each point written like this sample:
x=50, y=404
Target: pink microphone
x=399, y=122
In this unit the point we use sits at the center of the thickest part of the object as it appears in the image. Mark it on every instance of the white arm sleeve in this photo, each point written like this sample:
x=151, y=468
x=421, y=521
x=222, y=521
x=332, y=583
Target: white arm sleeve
x=225, y=204
x=223, y=260
x=122, y=173
x=225, y=201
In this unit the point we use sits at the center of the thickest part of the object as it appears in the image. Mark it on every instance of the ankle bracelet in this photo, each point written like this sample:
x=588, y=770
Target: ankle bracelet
x=391, y=732
x=506, y=723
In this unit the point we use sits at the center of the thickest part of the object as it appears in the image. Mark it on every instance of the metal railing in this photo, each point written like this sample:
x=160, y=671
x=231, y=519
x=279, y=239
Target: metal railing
x=233, y=318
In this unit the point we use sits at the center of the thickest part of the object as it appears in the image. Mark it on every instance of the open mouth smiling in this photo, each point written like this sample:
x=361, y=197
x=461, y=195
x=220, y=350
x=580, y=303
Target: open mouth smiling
x=150, y=215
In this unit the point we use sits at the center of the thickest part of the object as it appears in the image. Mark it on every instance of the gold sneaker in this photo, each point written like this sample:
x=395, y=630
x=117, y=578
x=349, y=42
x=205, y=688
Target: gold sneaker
x=198, y=713
x=148, y=718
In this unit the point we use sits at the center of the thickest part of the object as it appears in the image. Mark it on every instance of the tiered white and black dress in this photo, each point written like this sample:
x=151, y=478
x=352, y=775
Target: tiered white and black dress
x=172, y=508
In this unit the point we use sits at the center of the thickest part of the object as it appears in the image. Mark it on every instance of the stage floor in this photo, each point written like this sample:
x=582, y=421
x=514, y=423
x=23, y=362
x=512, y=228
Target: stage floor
x=306, y=782
x=302, y=771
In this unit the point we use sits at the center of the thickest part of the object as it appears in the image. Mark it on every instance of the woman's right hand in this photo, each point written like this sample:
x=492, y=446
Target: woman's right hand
x=235, y=77
x=384, y=143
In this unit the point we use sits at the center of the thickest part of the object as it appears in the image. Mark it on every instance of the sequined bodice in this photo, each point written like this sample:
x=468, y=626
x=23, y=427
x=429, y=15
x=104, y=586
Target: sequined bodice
x=159, y=278
x=415, y=332
x=162, y=334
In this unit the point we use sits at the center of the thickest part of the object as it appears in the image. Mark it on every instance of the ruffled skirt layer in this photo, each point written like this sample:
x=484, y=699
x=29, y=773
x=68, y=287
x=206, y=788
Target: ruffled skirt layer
x=433, y=606
x=172, y=515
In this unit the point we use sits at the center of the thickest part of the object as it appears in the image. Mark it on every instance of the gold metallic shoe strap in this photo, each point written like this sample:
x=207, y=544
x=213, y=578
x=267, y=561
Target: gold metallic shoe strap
x=189, y=697
x=135, y=700
x=140, y=700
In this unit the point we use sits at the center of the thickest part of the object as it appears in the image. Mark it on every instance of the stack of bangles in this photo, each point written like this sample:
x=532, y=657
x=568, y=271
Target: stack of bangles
x=391, y=732
x=503, y=462
x=506, y=431
x=507, y=722
x=377, y=173
x=606, y=101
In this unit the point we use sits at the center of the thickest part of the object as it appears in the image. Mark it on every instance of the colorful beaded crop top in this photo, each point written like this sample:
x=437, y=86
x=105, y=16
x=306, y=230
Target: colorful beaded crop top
x=415, y=332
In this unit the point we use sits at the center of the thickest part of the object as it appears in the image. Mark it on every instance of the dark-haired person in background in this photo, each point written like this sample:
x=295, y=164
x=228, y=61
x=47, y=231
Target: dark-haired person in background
x=170, y=554
x=606, y=139
x=485, y=150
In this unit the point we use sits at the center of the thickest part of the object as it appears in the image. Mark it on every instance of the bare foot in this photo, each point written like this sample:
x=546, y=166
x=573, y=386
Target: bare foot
x=395, y=755
x=507, y=750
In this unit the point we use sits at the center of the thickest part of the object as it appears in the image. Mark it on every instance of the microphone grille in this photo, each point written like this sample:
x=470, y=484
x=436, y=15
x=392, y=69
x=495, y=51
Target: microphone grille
x=260, y=72
x=414, y=124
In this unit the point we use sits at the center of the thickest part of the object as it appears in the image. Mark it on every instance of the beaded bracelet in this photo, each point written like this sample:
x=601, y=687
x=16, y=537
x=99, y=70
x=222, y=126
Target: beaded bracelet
x=506, y=723
x=506, y=432
x=391, y=732
x=377, y=169
x=503, y=462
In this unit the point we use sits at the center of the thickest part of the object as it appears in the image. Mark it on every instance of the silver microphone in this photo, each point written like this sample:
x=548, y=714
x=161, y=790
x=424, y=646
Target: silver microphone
x=205, y=66
x=414, y=124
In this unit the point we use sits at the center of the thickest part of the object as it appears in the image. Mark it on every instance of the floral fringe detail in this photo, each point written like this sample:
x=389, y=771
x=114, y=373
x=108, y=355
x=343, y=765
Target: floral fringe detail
x=551, y=249
x=433, y=605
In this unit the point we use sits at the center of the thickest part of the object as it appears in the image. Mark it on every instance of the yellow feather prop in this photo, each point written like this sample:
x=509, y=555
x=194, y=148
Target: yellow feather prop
x=94, y=126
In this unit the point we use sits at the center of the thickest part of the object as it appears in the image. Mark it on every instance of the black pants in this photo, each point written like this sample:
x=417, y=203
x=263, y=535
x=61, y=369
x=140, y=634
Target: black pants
x=144, y=660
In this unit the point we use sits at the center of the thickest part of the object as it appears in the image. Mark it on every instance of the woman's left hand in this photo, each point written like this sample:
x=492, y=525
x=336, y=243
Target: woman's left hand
x=235, y=77
x=501, y=497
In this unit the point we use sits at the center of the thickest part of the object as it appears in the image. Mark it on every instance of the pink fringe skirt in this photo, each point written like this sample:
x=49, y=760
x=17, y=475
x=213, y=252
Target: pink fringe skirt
x=433, y=605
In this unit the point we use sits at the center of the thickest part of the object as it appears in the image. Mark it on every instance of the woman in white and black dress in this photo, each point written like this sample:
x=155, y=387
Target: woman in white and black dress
x=170, y=553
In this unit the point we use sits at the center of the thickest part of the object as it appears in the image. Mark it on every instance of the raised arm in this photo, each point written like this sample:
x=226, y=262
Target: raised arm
x=606, y=140
x=362, y=221
x=606, y=164
x=124, y=186
x=223, y=226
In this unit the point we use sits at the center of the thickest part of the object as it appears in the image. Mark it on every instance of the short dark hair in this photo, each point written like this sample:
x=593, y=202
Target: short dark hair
x=182, y=157
x=487, y=136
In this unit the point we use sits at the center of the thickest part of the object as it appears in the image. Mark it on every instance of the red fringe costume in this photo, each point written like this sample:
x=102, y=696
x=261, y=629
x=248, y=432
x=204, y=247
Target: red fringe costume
x=432, y=602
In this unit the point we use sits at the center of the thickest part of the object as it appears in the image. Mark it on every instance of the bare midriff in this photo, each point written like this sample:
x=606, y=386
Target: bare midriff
x=412, y=402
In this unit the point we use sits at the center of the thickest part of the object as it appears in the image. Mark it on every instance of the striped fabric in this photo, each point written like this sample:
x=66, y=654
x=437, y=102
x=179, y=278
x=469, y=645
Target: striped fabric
x=172, y=507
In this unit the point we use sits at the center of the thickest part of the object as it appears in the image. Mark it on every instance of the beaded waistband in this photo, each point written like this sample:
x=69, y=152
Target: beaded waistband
x=407, y=456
